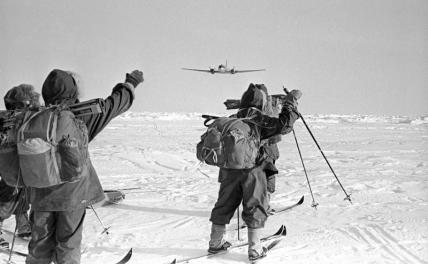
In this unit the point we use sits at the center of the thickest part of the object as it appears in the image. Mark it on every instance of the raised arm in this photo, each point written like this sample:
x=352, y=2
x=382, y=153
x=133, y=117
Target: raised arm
x=272, y=126
x=117, y=103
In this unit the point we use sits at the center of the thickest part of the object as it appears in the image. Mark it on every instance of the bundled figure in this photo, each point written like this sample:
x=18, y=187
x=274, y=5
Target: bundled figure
x=243, y=167
x=14, y=200
x=59, y=203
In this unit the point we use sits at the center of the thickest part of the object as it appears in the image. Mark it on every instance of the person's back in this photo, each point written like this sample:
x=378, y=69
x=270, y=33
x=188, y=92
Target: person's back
x=14, y=200
x=249, y=185
x=58, y=211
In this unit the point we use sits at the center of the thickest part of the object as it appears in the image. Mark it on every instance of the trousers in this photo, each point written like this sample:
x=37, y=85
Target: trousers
x=56, y=237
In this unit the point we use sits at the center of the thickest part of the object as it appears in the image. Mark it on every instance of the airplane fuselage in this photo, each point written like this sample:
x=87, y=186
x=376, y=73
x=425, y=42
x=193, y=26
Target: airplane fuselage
x=222, y=68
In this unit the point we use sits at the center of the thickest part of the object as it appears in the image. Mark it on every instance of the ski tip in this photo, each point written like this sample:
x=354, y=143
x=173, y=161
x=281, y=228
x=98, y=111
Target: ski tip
x=301, y=200
x=280, y=230
x=126, y=258
x=174, y=261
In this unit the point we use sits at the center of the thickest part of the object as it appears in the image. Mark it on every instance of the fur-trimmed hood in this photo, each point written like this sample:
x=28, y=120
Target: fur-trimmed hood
x=255, y=96
x=59, y=87
x=21, y=96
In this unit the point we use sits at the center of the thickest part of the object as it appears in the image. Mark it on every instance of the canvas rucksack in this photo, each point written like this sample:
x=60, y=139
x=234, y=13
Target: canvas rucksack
x=51, y=148
x=231, y=143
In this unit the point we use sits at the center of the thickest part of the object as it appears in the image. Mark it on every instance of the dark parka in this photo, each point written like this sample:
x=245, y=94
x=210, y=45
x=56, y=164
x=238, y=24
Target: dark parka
x=13, y=200
x=71, y=196
x=249, y=185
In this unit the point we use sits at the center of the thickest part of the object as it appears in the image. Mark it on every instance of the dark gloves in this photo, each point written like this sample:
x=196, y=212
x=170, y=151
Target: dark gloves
x=292, y=97
x=289, y=105
x=134, y=78
x=296, y=94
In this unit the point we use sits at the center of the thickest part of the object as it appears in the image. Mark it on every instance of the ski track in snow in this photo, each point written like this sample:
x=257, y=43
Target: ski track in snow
x=374, y=237
x=382, y=162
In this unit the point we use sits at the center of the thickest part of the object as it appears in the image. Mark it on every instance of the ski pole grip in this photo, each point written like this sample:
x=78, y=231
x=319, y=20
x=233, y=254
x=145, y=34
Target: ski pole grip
x=295, y=93
x=285, y=90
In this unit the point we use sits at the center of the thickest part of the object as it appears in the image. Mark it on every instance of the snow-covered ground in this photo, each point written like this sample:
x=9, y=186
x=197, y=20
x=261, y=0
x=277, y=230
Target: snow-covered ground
x=382, y=161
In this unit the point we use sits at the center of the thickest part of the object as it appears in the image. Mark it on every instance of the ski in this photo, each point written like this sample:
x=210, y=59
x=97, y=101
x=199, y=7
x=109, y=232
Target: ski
x=268, y=248
x=124, y=260
x=282, y=231
x=286, y=208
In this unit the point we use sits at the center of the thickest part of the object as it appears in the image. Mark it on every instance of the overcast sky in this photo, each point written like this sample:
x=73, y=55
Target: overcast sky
x=348, y=57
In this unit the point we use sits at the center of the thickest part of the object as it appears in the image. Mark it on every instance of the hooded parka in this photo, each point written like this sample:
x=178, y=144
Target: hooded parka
x=249, y=186
x=58, y=212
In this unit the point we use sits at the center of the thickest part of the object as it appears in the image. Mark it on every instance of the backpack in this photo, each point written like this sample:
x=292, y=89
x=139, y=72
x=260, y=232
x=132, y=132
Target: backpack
x=231, y=143
x=51, y=148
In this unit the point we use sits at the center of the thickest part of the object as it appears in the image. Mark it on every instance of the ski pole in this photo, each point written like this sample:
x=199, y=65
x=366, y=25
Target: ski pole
x=314, y=204
x=105, y=229
x=129, y=189
x=14, y=235
x=348, y=196
x=20, y=199
x=9, y=261
x=239, y=227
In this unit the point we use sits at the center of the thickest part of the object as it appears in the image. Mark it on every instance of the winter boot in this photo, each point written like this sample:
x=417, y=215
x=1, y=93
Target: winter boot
x=217, y=243
x=3, y=242
x=255, y=249
x=23, y=225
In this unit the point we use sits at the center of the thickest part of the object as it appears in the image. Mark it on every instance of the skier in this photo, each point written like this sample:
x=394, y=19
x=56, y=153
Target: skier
x=249, y=186
x=14, y=200
x=58, y=212
x=269, y=151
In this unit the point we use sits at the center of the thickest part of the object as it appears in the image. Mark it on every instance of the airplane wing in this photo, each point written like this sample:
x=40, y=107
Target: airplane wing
x=199, y=70
x=242, y=71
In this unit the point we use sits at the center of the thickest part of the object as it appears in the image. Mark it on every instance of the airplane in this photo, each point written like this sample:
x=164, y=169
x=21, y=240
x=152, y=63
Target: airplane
x=222, y=68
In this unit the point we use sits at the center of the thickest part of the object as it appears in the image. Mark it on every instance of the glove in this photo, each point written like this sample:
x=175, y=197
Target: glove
x=134, y=78
x=292, y=97
x=296, y=94
x=290, y=100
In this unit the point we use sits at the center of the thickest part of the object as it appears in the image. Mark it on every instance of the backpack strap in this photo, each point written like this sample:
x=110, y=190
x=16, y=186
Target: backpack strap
x=208, y=118
x=27, y=118
x=52, y=137
x=250, y=118
x=253, y=108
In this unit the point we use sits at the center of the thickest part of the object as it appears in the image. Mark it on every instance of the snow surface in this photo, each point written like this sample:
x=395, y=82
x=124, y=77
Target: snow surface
x=381, y=160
